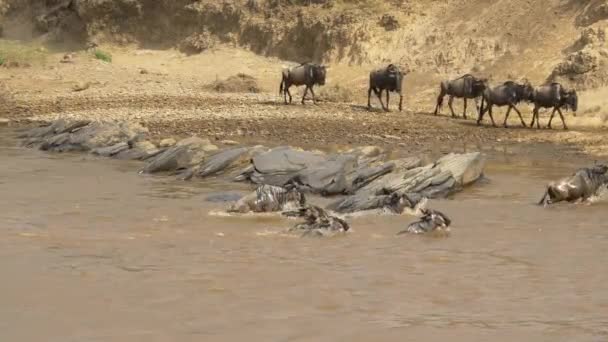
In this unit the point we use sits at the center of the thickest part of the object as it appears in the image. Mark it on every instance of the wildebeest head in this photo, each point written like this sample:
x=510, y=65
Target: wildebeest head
x=571, y=100
x=438, y=218
x=525, y=91
x=394, y=72
x=293, y=187
x=319, y=73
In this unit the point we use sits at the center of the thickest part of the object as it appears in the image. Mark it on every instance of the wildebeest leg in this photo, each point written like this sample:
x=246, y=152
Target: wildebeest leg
x=314, y=99
x=450, y=102
x=464, y=112
x=285, y=91
x=305, y=93
x=490, y=106
x=545, y=200
x=369, y=95
x=288, y=93
x=507, y=116
x=551, y=118
x=562, y=116
x=439, y=102
x=520, y=117
x=387, y=101
x=379, y=95
x=535, y=117
x=480, y=111
x=400, y=101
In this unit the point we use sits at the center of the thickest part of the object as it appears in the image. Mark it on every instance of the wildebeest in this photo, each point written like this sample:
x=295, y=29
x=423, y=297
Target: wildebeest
x=394, y=203
x=583, y=184
x=554, y=96
x=307, y=74
x=389, y=79
x=431, y=220
x=318, y=222
x=465, y=87
x=506, y=94
x=268, y=198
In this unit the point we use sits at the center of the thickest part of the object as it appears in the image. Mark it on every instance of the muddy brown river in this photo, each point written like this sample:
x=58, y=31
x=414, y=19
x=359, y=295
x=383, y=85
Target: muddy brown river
x=92, y=251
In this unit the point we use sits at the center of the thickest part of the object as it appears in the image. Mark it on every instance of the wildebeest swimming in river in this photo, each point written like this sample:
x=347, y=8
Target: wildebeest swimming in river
x=506, y=94
x=465, y=87
x=318, y=222
x=583, y=184
x=553, y=96
x=389, y=79
x=307, y=74
x=431, y=220
x=268, y=198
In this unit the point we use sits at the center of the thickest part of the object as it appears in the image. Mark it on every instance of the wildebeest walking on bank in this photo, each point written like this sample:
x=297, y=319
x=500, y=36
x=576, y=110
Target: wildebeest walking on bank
x=506, y=94
x=554, y=96
x=465, y=87
x=307, y=74
x=389, y=79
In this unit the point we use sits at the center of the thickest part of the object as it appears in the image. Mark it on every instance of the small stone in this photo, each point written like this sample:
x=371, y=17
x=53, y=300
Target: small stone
x=229, y=142
x=210, y=148
x=81, y=86
x=368, y=151
x=4, y=122
x=143, y=71
x=168, y=142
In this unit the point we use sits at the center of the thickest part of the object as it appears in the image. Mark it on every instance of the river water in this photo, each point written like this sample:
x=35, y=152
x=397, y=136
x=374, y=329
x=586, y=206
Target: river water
x=92, y=251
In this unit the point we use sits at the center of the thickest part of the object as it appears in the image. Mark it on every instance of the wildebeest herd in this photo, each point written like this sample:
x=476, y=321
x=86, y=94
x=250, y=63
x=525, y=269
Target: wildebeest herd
x=466, y=87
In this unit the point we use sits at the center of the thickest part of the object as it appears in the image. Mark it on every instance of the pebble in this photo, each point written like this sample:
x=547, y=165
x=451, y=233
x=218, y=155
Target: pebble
x=4, y=122
x=168, y=142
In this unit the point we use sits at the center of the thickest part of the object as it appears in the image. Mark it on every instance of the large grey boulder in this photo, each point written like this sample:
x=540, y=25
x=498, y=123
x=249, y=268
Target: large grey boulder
x=465, y=168
x=183, y=155
x=227, y=159
x=64, y=135
x=141, y=150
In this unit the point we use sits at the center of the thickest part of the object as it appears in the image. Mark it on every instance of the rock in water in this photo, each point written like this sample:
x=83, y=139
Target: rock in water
x=465, y=168
x=141, y=150
x=183, y=155
x=393, y=203
x=63, y=135
x=220, y=161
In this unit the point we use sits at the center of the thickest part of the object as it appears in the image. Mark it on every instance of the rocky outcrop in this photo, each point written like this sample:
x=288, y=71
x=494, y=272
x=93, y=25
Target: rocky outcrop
x=365, y=175
x=406, y=187
x=185, y=154
x=106, y=138
x=586, y=64
x=314, y=172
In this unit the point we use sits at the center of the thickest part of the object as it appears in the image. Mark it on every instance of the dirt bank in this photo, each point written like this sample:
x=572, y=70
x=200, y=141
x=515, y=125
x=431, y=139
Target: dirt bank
x=161, y=90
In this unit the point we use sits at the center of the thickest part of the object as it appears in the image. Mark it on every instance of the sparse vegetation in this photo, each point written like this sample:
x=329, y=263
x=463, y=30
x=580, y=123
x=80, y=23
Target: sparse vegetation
x=16, y=54
x=336, y=93
x=103, y=56
x=239, y=83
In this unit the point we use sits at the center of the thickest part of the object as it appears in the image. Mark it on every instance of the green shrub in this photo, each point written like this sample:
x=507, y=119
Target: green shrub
x=104, y=56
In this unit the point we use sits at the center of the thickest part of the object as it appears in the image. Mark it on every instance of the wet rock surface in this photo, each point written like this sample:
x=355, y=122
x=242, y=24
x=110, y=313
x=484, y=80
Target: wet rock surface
x=366, y=175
